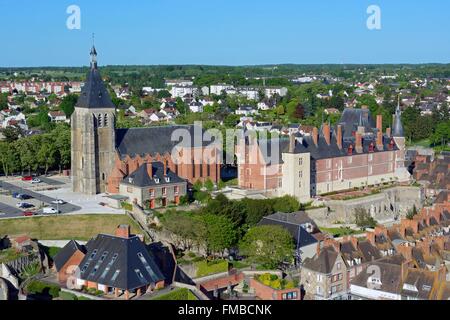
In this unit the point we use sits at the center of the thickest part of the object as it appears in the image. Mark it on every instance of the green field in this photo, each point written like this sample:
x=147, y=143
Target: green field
x=79, y=227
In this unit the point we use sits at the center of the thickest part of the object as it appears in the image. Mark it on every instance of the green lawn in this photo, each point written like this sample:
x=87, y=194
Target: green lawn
x=178, y=294
x=205, y=268
x=79, y=227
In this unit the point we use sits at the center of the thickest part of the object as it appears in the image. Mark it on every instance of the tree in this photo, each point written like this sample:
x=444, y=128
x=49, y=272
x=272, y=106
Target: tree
x=363, y=219
x=286, y=204
x=267, y=245
x=220, y=233
x=256, y=210
x=163, y=94
x=181, y=106
x=46, y=154
x=299, y=112
x=67, y=105
x=12, y=133
x=441, y=134
x=3, y=101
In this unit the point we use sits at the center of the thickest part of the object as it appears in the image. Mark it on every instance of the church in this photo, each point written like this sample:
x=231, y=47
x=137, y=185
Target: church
x=139, y=162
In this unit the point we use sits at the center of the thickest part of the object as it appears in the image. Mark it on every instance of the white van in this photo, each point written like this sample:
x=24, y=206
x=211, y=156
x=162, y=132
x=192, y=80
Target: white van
x=50, y=210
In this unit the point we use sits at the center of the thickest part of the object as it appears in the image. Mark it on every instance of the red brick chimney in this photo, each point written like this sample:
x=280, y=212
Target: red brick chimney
x=165, y=167
x=123, y=231
x=380, y=140
x=354, y=241
x=315, y=135
x=326, y=133
x=370, y=237
x=380, y=123
x=388, y=132
x=339, y=136
x=358, y=142
x=350, y=150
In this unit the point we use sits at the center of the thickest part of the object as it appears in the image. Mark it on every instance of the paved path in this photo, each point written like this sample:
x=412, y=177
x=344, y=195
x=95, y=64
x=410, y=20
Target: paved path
x=64, y=208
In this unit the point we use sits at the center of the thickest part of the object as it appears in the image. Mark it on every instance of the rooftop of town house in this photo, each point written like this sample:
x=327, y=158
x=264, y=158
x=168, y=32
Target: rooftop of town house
x=141, y=178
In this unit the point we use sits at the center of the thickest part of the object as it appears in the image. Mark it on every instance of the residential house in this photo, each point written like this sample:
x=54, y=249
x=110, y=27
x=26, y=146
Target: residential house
x=57, y=116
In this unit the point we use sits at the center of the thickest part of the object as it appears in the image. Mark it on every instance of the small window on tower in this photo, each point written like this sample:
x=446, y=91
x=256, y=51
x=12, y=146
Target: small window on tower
x=105, y=120
x=100, y=121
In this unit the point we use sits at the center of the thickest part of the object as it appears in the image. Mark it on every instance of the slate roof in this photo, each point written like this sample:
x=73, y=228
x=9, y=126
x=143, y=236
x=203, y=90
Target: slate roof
x=119, y=263
x=94, y=93
x=66, y=253
x=322, y=150
x=293, y=222
x=352, y=118
x=153, y=140
x=140, y=177
x=322, y=263
x=368, y=251
x=390, y=276
x=422, y=280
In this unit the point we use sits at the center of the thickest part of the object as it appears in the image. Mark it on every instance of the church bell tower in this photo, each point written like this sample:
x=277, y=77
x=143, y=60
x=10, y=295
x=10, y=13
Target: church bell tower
x=92, y=134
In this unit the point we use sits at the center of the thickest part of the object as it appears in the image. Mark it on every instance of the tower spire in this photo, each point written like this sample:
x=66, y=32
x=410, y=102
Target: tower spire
x=93, y=54
x=398, y=127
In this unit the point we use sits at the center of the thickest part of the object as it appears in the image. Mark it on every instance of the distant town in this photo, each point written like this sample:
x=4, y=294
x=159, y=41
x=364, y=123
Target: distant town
x=337, y=187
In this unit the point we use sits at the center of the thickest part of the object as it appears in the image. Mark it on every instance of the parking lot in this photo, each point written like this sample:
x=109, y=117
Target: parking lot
x=8, y=204
x=44, y=193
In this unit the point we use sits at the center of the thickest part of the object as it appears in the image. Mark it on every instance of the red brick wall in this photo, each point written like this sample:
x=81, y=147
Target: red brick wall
x=68, y=268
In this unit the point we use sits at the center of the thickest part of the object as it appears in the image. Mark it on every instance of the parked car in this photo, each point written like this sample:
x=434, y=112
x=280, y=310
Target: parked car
x=50, y=210
x=58, y=201
x=36, y=180
x=21, y=196
x=28, y=214
x=27, y=178
x=24, y=205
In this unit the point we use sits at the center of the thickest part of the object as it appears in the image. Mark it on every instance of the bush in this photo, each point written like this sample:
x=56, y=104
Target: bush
x=127, y=206
x=38, y=287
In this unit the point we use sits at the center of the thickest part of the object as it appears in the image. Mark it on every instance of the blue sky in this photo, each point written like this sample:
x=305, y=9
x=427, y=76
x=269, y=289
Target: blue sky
x=224, y=32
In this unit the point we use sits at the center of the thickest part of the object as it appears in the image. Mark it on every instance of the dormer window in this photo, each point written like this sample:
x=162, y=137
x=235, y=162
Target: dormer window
x=167, y=179
x=156, y=180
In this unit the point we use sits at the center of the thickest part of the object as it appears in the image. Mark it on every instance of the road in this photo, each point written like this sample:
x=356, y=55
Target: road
x=51, y=182
x=8, y=210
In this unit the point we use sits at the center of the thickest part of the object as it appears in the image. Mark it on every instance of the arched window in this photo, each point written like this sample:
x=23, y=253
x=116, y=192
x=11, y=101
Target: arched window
x=99, y=119
x=105, y=120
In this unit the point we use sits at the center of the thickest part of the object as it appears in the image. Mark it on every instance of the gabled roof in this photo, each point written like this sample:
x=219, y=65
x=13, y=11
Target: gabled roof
x=153, y=140
x=322, y=263
x=66, y=253
x=422, y=280
x=118, y=262
x=295, y=223
x=141, y=178
x=390, y=277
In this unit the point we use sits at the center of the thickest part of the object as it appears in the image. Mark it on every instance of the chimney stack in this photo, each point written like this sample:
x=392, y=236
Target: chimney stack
x=380, y=140
x=358, y=142
x=388, y=132
x=380, y=123
x=339, y=136
x=165, y=167
x=326, y=133
x=123, y=231
x=315, y=136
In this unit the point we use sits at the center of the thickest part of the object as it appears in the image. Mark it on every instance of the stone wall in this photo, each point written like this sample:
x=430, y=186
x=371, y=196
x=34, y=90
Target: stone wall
x=384, y=206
